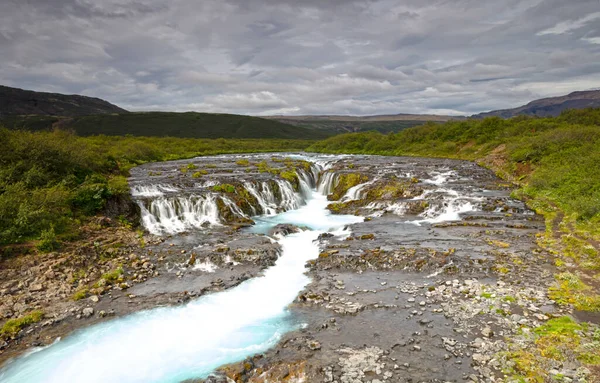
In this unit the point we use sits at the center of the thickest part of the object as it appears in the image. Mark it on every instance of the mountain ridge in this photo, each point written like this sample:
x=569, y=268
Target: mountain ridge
x=17, y=101
x=549, y=106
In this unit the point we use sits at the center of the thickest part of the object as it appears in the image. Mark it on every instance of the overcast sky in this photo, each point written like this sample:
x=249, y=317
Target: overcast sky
x=303, y=56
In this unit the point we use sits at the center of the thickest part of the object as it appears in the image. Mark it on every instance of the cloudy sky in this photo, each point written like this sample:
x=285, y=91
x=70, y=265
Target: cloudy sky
x=303, y=56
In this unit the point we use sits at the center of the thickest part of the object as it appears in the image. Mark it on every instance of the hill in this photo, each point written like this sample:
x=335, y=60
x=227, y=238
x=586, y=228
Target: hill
x=15, y=101
x=163, y=124
x=550, y=107
x=335, y=124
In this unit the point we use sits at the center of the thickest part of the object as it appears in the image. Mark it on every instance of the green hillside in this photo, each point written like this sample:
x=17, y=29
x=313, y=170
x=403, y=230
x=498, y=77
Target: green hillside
x=339, y=127
x=167, y=124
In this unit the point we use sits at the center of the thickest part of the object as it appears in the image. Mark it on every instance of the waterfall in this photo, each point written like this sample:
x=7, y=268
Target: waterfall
x=169, y=214
x=327, y=182
x=355, y=192
x=289, y=198
x=178, y=214
x=152, y=190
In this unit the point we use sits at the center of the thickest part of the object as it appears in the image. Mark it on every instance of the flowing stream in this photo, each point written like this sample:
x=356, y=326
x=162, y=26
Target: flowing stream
x=173, y=344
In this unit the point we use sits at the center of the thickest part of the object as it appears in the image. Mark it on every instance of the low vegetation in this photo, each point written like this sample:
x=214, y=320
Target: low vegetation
x=12, y=326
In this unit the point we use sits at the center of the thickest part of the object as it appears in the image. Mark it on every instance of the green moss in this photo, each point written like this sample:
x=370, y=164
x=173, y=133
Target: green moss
x=263, y=167
x=242, y=162
x=225, y=188
x=570, y=289
x=200, y=173
x=12, y=327
x=112, y=276
x=80, y=294
x=389, y=189
x=344, y=182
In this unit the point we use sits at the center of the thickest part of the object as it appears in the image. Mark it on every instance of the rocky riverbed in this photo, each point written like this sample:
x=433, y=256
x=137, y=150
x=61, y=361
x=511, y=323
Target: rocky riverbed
x=441, y=282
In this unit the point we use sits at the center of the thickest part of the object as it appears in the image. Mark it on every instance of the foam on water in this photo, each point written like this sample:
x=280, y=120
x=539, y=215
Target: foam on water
x=178, y=343
x=450, y=212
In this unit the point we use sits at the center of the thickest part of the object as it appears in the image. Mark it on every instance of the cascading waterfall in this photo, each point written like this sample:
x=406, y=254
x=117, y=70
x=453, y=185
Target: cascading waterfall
x=176, y=214
x=178, y=343
x=152, y=190
x=452, y=207
x=327, y=182
x=355, y=192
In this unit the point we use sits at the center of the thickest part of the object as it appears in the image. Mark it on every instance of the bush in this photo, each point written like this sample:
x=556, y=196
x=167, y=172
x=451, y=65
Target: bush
x=48, y=241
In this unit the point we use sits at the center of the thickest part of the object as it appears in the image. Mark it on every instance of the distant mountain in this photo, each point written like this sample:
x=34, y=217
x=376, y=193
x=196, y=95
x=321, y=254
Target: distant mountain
x=550, y=107
x=335, y=124
x=15, y=101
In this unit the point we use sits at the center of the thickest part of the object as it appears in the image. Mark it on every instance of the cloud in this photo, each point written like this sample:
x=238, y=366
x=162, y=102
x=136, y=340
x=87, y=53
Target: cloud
x=570, y=25
x=303, y=57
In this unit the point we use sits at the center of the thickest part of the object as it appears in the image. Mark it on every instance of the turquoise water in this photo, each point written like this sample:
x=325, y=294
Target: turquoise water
x=178, y=343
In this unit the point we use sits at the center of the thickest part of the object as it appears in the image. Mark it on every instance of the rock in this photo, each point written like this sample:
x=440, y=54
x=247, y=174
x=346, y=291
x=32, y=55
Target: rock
x=487, y=332
x=416, y=348
x=218, y=379
x=94, y=298
x=87, y=312
x=411, y=300
x=36, y=287
x=314, y=345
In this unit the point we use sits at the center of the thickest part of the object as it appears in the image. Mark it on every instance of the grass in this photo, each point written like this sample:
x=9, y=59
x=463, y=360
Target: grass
x=80, y=294
x=113, y=275
x=12, y=327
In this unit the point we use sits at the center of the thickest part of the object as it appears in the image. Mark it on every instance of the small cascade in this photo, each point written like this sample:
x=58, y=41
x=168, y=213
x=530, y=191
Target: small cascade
x=233, y=207
x=289, y=198
x=450, y=211
x=327, y=182
x=381, y=207
x=440, y=178
x=308, y=181
x=355, y=192
x=267, y=206
x=152, y=190
x=175, y=215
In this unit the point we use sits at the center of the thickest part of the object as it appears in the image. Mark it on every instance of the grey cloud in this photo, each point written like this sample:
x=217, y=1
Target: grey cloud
x=299, y=57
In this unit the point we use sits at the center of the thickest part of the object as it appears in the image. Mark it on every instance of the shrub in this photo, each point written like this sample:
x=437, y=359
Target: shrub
x=48, y=241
